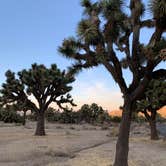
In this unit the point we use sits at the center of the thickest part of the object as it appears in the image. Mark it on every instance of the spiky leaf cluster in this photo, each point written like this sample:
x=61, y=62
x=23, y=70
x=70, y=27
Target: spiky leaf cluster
x=12, y=89
x=105, y=29
x=158, y=9
x=90, y=7
x=88, y=32
x=155, y=51
x=47, y=85
x=70, y=47
x=112, y=9
x=155, y=96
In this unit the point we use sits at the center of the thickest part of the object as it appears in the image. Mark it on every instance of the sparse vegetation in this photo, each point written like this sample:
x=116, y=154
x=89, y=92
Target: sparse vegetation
x=8, y=115
x=92, y=114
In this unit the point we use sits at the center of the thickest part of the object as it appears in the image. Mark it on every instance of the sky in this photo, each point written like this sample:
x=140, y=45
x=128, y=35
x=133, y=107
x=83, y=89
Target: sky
x=32, y=30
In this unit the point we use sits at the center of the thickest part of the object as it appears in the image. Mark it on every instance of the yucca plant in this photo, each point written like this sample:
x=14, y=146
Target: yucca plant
x=158, y=8
x=46, y=85
x=153, y=100
x=107, y=30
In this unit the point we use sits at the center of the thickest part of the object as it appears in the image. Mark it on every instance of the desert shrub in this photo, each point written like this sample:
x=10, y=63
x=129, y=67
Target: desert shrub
x=66, y=116
x=10, y=116
x=70, y=116
x=75, y=117
x=52, y=115
x=140, y=119
x=92, y=114
x=32, y=116
x=116, y=119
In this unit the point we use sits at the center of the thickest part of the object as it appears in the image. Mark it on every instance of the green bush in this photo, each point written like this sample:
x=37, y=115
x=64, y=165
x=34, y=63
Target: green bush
x=10, y=116
x=70, y=116
x=116, y=119
x=32, y=116
x=52, y=115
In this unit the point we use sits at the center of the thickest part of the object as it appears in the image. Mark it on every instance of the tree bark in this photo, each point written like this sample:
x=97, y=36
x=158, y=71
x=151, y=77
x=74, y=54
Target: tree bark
x=154, y=133
x=40, y=128
x=24, y=118
x=153, y=130
x=152, y=121
x=122, y=146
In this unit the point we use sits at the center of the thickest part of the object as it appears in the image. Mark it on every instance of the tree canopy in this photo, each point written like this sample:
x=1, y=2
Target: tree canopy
x=46, y=85
x=105, y=31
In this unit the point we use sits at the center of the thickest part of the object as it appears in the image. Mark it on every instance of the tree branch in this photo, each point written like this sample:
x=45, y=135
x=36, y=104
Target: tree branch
x=118, y=79
x=147, y=23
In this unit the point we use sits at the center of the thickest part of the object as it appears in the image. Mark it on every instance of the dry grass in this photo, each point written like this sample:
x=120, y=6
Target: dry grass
x=82, y=146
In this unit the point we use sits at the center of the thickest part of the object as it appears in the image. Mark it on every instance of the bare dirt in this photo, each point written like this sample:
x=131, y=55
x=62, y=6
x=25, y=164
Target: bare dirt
x=76, y=145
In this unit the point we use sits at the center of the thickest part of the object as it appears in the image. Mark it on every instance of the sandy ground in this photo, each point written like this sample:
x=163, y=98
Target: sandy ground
x=75, y=145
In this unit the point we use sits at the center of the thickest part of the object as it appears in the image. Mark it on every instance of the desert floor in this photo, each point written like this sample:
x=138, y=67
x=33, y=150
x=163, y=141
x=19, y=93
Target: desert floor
x=76, y=145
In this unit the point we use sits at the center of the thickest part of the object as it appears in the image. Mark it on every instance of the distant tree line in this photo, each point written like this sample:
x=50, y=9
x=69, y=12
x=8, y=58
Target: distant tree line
x=92, y=114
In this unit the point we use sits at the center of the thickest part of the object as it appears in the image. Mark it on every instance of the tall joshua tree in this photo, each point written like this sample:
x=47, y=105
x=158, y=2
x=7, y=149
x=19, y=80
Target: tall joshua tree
x=46, y=85
x=153, y=100
x=104, y=32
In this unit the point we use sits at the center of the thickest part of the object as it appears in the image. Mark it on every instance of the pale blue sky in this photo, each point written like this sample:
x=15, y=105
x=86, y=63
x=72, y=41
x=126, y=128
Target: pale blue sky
x=31, y=31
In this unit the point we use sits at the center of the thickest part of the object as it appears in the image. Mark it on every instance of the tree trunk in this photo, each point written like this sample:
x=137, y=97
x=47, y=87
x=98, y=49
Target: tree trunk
x=24, y=118
x=40, y=128
x=152, y=121
x=122, y=146
x=154, y=133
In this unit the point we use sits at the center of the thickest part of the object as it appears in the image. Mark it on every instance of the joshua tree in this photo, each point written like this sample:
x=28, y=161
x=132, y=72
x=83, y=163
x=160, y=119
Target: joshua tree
x=104, y=32
x=154, y=99
x=91, y=113
x=46, y=85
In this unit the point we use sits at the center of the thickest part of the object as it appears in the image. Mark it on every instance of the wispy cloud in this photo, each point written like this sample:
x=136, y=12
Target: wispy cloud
x=99, y=93
x=93, y=92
